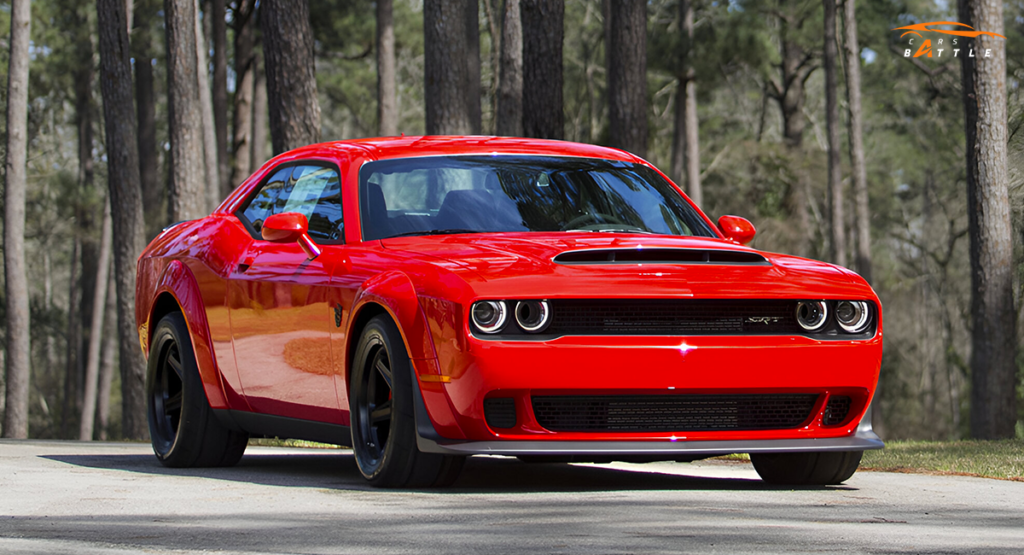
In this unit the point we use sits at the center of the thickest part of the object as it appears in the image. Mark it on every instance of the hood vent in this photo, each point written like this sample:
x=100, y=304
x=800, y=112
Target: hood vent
x=662, y=256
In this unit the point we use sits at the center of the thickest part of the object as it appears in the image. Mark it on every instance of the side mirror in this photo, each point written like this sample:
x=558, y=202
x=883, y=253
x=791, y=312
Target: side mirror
x=290, y=227
x=736, y=228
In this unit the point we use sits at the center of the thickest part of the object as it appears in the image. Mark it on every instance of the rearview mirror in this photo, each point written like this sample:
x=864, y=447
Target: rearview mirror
x=290, y=227
x=736, y=228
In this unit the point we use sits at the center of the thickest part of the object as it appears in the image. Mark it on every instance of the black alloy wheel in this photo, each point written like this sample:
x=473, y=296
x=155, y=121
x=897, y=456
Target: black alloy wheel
x=182, y=427
x=375, y=404
x=165, y=399
x=381, y=412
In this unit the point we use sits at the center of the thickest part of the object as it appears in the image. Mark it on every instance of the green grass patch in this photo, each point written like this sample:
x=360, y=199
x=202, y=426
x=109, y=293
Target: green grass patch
x=991, y=459
x=295, y=443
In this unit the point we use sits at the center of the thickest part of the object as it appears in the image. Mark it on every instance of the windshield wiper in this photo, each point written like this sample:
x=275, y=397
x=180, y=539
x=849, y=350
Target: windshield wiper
x=434, y=232
x=626, y=230
x=615, y=230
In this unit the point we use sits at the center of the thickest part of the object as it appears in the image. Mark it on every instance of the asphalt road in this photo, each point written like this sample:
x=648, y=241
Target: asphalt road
x=104, y=498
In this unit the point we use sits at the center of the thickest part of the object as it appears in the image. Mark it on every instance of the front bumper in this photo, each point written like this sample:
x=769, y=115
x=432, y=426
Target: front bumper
x=429, y=441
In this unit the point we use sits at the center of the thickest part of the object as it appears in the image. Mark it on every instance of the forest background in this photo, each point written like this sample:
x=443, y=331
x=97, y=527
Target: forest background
x=756, y=71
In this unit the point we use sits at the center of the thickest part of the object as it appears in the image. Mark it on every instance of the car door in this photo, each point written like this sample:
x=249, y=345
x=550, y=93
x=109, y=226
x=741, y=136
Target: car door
x=278, y=297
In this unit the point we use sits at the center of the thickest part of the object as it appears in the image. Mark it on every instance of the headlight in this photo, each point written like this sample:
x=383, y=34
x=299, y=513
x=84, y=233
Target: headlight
x=489, y=316
x=852, y=316
x=811, y=315
x=533, y=316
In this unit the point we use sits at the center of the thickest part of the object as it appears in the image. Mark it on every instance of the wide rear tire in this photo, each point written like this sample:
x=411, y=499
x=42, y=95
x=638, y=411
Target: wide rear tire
x=182, y=426
x=382, y=420
x=806, y=469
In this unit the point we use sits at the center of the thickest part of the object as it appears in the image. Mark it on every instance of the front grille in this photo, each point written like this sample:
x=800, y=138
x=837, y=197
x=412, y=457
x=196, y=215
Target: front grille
x=836, y=410
x=672, y=413
x=672, y=317
x=500, y=412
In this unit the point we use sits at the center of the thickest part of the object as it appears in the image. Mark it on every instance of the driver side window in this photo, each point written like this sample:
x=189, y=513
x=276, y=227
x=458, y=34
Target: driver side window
x=313, y=190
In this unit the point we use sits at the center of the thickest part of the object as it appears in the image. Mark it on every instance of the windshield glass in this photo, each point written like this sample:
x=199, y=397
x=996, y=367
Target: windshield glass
x=475, y=194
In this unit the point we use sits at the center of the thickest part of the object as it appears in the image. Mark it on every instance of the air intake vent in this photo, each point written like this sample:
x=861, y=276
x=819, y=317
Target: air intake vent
x=672, y=413
x=500, y=412
x=836, y=410
x=661, y=256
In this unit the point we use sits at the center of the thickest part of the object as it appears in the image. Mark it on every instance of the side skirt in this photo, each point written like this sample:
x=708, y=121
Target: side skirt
x=285, y=428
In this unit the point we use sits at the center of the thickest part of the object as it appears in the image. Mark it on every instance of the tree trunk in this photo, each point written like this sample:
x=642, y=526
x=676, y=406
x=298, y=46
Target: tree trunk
x=87, y=251
x=856, y=138
x=837, y=223
x=494, y=33
x=188, y=193
x=685, y=149
x=73, y=339
x=993, y=330
x=627, y=75
x=220, y=92
x=387, y=101
x=18, y=348
x=260, y=115
x=510, y=80
x=790, y=93
x=472, y=29
x=796, y=68
x=542, y=68
x=211, y=179
x=452, y=108
x=142, y=48
x=99, y=303
x=291, y=78
x=107, y=361
x=245, y=76
x=125, y=203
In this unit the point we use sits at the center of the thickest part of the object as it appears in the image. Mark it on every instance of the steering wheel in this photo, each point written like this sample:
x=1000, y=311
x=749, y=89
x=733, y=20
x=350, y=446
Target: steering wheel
x=596, y=217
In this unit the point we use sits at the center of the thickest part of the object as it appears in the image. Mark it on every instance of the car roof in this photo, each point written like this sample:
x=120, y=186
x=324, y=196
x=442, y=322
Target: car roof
x=437, y=145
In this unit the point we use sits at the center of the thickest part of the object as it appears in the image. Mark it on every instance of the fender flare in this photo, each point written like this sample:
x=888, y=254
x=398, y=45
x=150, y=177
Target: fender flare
x=394, y=292
x=178, y=282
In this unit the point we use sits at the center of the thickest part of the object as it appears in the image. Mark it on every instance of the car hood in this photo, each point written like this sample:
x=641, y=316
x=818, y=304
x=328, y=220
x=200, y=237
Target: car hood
x=570, y=264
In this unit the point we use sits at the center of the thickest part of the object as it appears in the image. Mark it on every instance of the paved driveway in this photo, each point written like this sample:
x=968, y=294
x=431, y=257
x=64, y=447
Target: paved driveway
x=91, y=498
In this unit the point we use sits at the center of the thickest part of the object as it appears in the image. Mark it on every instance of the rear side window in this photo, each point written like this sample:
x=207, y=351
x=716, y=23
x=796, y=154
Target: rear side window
x=313, y=190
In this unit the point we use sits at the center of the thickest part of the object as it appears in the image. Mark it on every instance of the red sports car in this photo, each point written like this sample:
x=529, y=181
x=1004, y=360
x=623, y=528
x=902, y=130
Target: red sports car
x=424, y=299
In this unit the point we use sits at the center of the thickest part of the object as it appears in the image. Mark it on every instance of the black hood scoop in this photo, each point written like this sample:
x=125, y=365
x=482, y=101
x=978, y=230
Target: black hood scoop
x=661, y=256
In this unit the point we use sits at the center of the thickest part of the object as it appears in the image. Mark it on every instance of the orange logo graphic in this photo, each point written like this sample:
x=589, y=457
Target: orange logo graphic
x=926, y=49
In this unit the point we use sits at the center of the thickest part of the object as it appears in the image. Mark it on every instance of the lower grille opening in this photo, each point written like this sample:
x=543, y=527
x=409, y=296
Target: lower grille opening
x=500, y=412
x=836, y=410
x=675, y=413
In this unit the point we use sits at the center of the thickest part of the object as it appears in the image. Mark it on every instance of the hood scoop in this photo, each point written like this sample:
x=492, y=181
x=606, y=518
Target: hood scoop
x=661, y=256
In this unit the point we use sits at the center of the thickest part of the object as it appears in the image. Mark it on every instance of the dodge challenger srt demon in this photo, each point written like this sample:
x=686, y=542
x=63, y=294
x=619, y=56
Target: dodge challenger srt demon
x=424, y=299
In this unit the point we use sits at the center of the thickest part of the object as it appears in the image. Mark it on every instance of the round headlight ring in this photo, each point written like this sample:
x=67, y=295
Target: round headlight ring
x=852, y=316
x=533, y=316
x=812, y=315
x=489, y=316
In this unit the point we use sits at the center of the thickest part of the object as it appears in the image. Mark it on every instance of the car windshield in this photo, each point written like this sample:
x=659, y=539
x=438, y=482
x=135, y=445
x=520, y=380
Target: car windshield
x=478, y=194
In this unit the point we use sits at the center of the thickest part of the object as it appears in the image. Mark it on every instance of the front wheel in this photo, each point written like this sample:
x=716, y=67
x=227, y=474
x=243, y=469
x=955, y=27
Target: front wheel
x=182, y=426
x=381, y=414
x=806, y=469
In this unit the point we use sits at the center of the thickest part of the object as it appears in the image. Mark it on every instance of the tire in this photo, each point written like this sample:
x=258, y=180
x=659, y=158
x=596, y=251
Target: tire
x=381, y=413
x=184, y=431
x=806, y=469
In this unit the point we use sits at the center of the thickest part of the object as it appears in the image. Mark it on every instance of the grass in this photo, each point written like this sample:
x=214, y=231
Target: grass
x=300, y=443
x=1002, y=459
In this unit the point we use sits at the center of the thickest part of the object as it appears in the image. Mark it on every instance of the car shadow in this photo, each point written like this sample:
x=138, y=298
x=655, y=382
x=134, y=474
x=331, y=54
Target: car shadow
x=332, y=469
